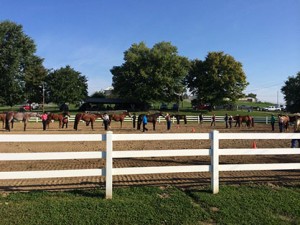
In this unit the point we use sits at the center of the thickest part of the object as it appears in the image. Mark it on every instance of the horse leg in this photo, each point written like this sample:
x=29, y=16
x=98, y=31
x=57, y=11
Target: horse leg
x=7, y=125
x=25, y=124
x=75, y=124
x=92, y=124
x=154, y=125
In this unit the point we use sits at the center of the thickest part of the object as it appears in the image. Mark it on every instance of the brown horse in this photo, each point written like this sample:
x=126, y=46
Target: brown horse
x=152, y=118
x=118, y=117
x=180, y=117
x=87, y=117
x=285, y=120
x=19, y=116
x=249, y=120
x=3, y=118
x=62, y=119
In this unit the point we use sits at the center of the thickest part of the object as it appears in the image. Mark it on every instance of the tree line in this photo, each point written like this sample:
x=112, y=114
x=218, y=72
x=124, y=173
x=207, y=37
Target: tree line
x=147, y=75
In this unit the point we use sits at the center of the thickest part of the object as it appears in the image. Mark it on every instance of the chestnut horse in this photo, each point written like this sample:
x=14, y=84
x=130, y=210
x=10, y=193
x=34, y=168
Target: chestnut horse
x=249, y=120
x=19, y=116
x=118, y=117
x=61, y=118
x=285, y=121
x=151, y=118
x=3, y=118
x=86, y=117
x=180, y=117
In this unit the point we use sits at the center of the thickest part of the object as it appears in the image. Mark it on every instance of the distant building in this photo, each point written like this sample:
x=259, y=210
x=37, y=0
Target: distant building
x=248, y=99
x=108, y=91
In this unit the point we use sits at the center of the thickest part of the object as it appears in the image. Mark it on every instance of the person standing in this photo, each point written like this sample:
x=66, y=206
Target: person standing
x=105, y=121
x=273, y=122
x=201, y=118
x=44, y=118
x=226, y=120
x=213, y=120
x=133, y=120
x=145, y=121
x=296, y=130
x=168, y=119
x=230, y=121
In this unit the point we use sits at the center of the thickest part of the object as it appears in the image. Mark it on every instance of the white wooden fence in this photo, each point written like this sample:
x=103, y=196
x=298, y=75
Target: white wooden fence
x=258, y=119
x=214, y=152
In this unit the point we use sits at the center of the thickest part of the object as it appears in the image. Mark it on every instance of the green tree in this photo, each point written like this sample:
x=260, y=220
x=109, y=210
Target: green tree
x=252, y=95
x=291, y=93
x=16, y=57
x=150, y=74
x=216, y=80
x=35, y=76
x=66, y=85
x=98, y=94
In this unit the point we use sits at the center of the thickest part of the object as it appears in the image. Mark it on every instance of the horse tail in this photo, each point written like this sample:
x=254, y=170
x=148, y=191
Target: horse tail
x=76, y=121
x=252, y=121
x=7, y=127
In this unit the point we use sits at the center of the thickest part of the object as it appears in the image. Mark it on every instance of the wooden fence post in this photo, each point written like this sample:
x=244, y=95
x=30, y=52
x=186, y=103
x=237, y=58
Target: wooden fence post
x=214, y=136
x=109, y=165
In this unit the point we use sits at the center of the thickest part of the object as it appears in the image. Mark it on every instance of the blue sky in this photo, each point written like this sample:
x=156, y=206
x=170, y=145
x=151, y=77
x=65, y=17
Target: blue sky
x=92, y=35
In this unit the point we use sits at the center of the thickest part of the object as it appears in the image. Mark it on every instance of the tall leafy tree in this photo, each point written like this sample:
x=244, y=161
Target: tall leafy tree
x=16, y=57
x=34, y=77
x=291, y=93
x=148, y=75
x=66, y=85
x=217, y=79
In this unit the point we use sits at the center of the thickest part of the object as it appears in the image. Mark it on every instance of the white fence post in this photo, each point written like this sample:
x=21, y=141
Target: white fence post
x=214, y=135
x=267, y=119
x=109, y=164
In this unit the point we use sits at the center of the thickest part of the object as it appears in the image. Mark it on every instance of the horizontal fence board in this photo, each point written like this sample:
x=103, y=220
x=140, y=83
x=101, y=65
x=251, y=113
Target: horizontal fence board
x=50, y=174
x=51, y=137
x=268, y=166
x=236, y=136
x=161, y=169
x=189, y=118
x=170, y=136
x=160, y=153
x=260, y=151
x=51, y=156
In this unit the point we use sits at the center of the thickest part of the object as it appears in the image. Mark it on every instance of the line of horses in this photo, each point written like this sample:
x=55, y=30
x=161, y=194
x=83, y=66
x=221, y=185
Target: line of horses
x=8, y=119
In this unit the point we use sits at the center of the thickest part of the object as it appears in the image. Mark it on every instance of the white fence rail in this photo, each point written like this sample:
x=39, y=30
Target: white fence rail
x=214, y=152
x=258, y=119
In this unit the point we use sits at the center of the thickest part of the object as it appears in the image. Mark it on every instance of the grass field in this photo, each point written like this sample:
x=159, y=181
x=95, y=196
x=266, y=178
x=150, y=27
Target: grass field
x=154, y=205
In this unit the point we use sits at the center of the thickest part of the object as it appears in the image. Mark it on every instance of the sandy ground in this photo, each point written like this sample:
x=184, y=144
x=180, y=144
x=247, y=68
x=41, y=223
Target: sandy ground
x=182, y=180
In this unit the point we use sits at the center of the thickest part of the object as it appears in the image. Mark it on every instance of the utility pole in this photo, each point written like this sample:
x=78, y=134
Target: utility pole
x=43, y=97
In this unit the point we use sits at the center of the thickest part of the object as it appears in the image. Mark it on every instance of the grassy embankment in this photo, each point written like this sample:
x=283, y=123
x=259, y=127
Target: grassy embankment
x=154, y=205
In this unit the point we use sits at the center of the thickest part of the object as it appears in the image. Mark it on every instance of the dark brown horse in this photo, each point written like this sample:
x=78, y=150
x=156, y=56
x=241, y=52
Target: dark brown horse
x=62, y=119
x=249, y=120
x=152, y=118
x=87, y=118
x=19, y=116
x=180, y=117
x=118, y=117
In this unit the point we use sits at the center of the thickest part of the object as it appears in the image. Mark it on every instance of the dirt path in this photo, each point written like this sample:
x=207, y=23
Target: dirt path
x=183, y=180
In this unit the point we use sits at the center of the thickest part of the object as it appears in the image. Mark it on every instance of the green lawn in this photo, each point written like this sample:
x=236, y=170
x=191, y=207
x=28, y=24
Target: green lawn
x=154, y=205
